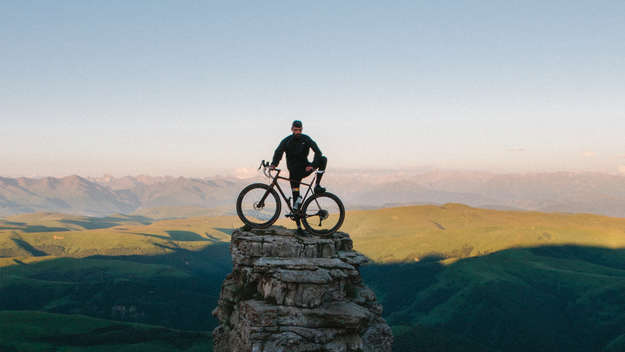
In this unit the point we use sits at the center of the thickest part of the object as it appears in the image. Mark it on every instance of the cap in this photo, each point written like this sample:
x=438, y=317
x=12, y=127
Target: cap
x=297, y=124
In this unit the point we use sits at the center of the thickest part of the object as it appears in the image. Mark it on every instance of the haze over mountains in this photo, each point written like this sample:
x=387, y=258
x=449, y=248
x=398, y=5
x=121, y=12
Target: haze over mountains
x=559, y=191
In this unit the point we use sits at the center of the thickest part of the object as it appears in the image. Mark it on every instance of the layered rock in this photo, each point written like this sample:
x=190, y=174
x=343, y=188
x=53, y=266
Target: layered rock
x=297, y=294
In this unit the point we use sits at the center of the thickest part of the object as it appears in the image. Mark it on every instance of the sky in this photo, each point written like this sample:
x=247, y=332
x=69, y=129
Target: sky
x=189, y=88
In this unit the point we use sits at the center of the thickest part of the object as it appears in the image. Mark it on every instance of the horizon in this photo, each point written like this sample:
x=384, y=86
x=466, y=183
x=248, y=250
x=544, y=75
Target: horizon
x=163, y=88
x=246, y=173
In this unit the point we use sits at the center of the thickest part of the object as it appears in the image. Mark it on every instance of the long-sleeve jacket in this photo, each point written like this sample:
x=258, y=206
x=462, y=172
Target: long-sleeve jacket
x=297, y=147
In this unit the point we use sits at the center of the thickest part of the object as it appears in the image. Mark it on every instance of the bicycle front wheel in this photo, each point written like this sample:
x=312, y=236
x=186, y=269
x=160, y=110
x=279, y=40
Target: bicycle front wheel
x=258, y=205
x=323, y=214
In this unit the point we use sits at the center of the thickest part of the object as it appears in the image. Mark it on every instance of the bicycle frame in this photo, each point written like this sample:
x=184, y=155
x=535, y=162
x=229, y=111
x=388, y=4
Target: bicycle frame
x=274, y=183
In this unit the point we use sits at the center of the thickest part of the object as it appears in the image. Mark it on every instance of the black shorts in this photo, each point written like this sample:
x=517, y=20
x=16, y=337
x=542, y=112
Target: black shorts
x=296, y=176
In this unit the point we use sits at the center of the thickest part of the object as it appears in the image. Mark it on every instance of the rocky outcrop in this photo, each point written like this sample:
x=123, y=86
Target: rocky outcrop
x=297, y=294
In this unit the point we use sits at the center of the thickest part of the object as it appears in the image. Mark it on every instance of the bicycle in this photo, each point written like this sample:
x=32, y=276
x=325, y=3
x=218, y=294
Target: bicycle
x=259, y=206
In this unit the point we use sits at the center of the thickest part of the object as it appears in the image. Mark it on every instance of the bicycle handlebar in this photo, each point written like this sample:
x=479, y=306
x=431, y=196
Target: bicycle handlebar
x=265, y=165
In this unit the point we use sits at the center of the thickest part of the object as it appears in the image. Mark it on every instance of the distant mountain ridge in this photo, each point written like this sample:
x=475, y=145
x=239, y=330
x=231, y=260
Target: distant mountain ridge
x=360, y=189
x=104, y=196
x=71, y=194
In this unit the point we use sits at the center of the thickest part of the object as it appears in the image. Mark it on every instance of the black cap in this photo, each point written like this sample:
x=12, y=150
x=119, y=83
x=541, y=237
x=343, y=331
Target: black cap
x=297, y=124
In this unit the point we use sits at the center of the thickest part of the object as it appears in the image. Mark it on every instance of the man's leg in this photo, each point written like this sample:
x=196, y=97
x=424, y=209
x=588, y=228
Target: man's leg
x=322, y=168
x=295, y=183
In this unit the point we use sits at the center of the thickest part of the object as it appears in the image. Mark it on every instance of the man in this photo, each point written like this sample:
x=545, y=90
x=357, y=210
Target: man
x=297, y=146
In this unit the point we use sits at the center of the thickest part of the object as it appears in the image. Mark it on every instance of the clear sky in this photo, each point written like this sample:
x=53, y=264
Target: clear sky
x=189, y=87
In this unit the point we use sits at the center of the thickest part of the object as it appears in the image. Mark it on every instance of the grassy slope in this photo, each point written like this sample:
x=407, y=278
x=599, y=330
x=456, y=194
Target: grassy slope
x=546, y=298
x=26, y=331
x=177, y=289
x=120, y=268
x=458, y=231
x=514, y=297
x=385, y=235
x=119, y=235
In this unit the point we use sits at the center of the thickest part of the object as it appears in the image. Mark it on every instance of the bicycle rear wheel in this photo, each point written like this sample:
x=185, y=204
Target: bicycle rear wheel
x=258, y=205
x=323, y=214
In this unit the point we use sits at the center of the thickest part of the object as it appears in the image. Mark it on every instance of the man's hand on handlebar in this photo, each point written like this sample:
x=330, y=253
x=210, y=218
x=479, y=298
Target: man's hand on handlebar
x=272, y=167
x=308, y=168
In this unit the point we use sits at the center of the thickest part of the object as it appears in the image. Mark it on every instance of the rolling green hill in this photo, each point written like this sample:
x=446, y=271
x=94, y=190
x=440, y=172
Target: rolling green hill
x=458, y=231
x=26, y=331
x=548, y=298
x=451, y=278
x=176, y=289
x=41, y=236
x=120, y=269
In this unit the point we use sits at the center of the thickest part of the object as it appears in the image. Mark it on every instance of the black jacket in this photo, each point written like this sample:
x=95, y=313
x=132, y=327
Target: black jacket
x=297, y=147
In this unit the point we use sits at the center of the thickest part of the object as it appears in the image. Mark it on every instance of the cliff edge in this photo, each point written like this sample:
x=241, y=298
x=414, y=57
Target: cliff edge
x=297, y=294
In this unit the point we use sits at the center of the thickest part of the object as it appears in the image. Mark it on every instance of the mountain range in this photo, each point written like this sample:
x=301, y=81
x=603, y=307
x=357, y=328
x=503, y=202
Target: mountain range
x=595, y=193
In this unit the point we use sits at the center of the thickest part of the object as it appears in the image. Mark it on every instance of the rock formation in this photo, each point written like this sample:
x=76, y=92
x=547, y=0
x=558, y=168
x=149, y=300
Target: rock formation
x=297, y=294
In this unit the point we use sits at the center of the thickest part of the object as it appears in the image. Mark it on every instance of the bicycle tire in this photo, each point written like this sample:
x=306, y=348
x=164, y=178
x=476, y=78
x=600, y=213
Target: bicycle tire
x=333, y=229
x=249, y=221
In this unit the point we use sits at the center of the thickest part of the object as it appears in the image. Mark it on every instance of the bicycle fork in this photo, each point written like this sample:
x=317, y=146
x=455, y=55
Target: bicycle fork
x=261, y=203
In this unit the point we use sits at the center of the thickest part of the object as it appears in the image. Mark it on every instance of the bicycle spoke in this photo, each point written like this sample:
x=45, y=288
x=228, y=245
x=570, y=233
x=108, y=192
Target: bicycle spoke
x=254, y=209
x=258, y=206
x=323, y=214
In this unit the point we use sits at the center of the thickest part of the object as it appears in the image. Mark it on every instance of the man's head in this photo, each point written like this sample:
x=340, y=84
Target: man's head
x=296, y=127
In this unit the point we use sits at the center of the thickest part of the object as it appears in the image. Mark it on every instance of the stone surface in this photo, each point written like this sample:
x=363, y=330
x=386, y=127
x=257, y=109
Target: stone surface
x=288, y=293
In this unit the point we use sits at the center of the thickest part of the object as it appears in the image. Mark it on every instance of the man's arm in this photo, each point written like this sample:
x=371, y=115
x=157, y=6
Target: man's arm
x=277, y=155
x=318, y=154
